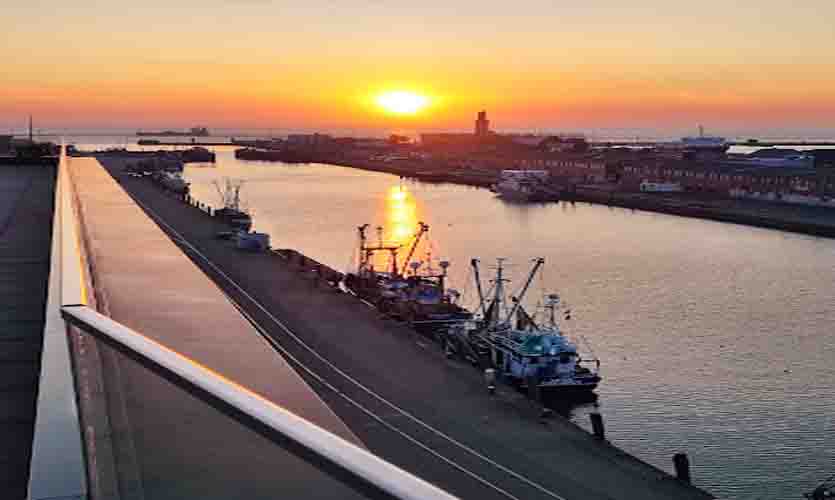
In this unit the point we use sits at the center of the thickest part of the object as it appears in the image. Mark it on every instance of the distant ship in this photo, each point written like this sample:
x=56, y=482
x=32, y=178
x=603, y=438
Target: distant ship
x=194, y=132
x=700, y=144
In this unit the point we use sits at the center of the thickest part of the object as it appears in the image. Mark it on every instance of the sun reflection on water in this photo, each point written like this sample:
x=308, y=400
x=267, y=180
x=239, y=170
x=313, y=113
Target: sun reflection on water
x=401, y=216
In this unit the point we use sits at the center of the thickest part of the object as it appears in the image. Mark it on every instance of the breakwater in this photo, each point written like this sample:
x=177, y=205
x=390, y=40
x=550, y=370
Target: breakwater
x=814, y=221
x=420, y=172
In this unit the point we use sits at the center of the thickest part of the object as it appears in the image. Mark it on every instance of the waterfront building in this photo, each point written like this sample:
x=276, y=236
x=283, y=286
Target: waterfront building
x=308, y=141
x=6, y=144
x=482, y=135
x=447, y=140
x=824, y=158
x=575, y=143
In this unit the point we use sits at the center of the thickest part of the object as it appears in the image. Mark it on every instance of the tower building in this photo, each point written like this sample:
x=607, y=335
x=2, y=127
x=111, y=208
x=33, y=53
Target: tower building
x=482, y=125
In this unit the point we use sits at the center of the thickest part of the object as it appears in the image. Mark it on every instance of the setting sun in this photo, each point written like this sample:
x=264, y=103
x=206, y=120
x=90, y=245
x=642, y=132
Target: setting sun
x=402, y=102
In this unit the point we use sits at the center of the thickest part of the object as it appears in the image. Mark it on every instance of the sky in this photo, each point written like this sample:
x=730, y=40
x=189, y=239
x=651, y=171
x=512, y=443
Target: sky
x=318, y=64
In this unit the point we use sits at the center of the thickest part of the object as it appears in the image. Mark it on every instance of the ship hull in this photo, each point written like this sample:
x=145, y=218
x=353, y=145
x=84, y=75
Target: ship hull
x=512, y=194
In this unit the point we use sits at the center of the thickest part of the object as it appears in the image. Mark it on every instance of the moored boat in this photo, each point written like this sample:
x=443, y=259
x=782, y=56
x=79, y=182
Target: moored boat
x=410, y=290
x=523, y=349
x=232, y=211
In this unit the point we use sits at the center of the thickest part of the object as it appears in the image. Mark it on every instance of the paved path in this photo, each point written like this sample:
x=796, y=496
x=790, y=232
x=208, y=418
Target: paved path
x=395, y=389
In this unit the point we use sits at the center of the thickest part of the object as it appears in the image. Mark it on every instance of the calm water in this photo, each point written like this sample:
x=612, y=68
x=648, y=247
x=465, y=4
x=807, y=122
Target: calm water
x=716, y=339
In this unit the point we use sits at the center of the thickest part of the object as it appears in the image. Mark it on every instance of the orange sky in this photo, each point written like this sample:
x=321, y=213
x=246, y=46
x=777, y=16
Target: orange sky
x=538, y=66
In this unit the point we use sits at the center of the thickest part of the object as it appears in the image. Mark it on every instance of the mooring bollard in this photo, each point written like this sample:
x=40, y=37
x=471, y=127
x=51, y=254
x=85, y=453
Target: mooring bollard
x=490, y=380
x=597, y=425
x=682, y=465
x=533, y=388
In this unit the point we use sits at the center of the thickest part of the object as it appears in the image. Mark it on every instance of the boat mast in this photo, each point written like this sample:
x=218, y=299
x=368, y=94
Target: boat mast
x=363, y=258
x=477, y=277
x=498, y=297
x=367, y=251
x=392, y=249
x=537, y=264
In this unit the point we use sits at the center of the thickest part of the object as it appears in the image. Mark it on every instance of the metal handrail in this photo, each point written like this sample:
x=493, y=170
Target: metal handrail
x=57, y=467
x=360, y=463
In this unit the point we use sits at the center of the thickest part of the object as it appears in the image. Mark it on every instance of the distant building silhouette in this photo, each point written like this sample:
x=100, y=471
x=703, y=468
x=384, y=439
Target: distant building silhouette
x=482, y=135
x=6, y=144
x=482, y=125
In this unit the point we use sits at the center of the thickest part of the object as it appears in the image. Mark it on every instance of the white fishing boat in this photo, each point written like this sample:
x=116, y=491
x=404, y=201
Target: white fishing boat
x=525, y=349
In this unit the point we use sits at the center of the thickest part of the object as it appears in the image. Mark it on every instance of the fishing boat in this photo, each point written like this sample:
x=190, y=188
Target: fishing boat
x=232, y=211
x=524, y=349
x=410, y=290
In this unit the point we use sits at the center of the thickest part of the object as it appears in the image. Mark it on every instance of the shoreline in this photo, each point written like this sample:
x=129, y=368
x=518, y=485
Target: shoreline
x=782, y=217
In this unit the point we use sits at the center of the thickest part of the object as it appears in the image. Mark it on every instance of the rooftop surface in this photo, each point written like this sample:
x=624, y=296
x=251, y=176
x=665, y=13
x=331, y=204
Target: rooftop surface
x=167, y=442
x=26, y=209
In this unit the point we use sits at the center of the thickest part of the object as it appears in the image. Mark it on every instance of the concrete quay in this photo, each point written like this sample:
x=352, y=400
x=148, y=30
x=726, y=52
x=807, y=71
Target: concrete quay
x=396, y=390
x=813, y=221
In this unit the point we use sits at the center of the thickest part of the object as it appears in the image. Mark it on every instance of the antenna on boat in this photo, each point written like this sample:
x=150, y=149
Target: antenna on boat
x=551, y=303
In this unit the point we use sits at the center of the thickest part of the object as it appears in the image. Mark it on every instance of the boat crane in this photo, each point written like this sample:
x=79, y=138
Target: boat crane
x=422, y=229
x=518, y=300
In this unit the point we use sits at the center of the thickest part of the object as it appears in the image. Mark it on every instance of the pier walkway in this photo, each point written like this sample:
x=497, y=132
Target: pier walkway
x=25, y=232
x=396, y=390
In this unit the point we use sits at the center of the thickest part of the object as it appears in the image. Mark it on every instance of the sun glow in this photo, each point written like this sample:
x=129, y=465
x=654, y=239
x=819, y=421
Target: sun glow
x=402, y=102
x=401, y=215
